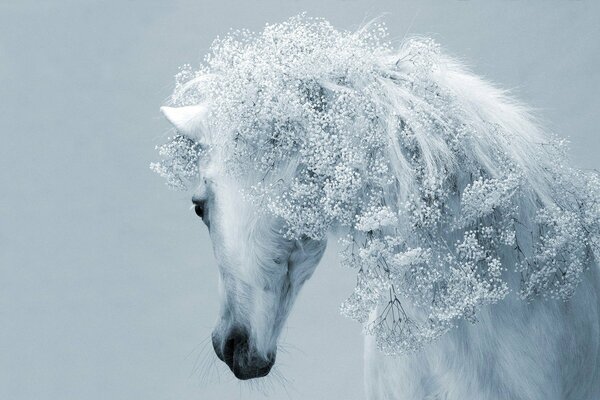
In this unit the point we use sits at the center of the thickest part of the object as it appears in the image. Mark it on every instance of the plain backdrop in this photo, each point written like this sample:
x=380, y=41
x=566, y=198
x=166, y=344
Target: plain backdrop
x=107, y=278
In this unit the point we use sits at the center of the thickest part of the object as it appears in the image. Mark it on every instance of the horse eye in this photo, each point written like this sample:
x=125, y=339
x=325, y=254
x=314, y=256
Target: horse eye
x=199, y=210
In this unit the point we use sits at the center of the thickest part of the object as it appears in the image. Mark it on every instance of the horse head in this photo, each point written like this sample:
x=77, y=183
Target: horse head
x=261, y=270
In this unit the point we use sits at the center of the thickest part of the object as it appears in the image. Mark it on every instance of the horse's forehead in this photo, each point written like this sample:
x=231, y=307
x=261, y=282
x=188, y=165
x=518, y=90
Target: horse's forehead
x=227, y=194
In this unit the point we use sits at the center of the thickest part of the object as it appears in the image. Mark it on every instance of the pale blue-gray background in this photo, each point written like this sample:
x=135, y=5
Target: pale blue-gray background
x=107, y=279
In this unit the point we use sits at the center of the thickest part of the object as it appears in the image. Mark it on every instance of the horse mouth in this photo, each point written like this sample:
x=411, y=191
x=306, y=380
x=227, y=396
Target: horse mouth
x=245, y=365
x=245, y=372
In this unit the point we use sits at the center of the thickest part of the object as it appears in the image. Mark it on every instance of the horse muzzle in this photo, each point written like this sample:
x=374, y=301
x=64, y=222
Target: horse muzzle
x=236, y=351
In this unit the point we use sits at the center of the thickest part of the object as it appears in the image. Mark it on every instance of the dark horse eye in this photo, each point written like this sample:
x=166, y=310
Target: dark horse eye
x=199, y=210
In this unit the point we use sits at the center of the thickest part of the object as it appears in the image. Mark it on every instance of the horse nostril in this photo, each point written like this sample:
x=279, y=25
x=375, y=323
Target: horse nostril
x=229, y=350
x=237, y=340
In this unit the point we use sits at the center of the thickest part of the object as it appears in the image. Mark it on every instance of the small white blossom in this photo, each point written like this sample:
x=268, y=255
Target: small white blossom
x=376, y=218
x=180, y=163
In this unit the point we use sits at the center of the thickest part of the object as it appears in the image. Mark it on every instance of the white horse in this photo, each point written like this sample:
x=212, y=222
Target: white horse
x=542, y=348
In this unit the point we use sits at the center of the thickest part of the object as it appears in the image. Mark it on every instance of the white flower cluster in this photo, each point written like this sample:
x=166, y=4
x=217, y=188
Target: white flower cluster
x=483, y=196
x=555, y=270
x=180, y=161
x=376, y=218
x=337, y=130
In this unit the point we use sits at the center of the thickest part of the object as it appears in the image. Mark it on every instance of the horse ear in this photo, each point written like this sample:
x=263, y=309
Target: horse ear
x=188, y=120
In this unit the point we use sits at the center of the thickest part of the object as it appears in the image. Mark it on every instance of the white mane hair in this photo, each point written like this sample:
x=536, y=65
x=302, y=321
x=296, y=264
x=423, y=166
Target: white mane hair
x=445, y=191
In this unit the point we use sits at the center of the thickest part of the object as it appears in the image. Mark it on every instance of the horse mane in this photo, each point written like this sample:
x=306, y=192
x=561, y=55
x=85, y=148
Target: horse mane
x=437, y=181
